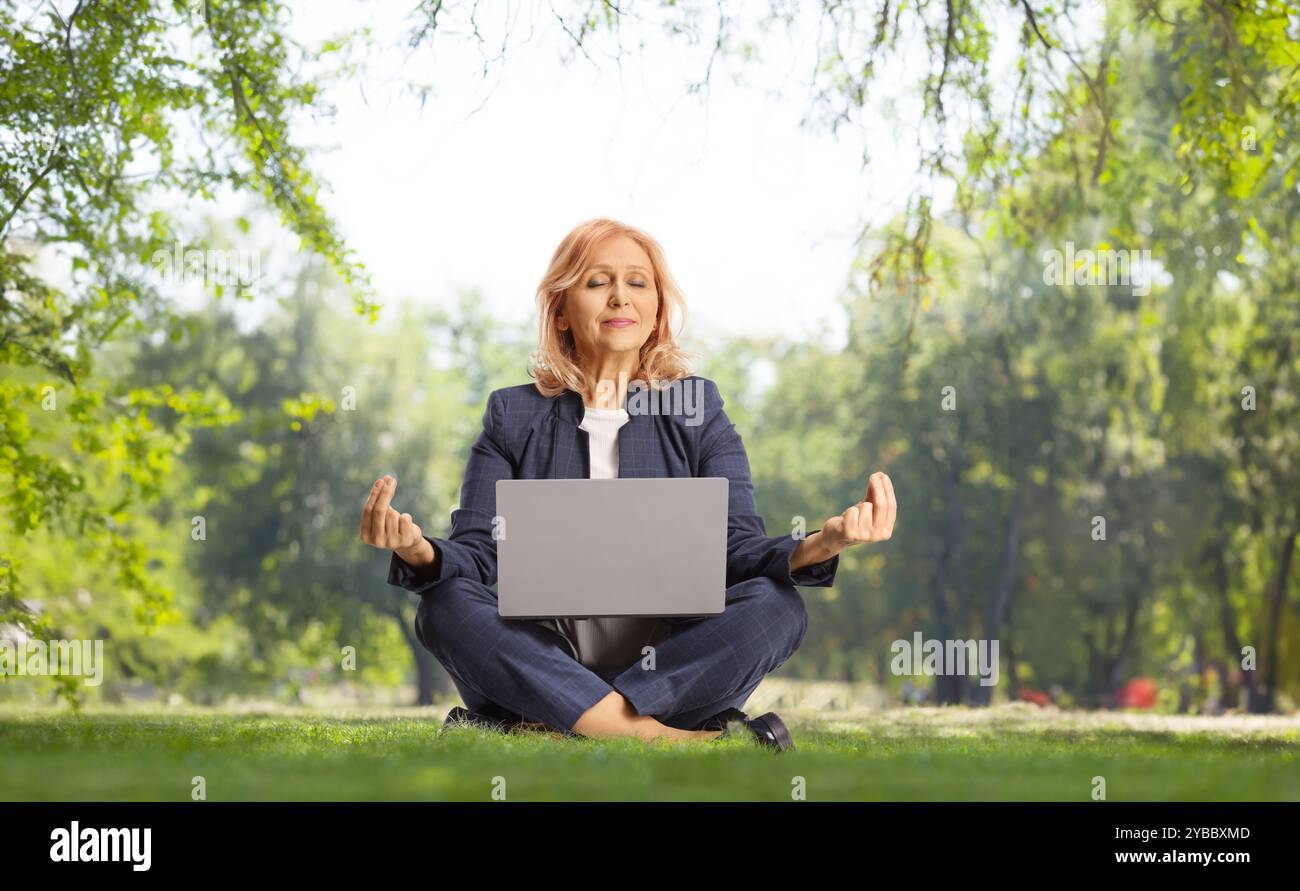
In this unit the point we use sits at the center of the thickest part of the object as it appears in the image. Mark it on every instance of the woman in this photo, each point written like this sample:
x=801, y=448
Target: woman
x=606, y=304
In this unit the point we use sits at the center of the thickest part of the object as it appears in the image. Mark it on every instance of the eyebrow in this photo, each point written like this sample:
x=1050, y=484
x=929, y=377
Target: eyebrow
x=607, y=266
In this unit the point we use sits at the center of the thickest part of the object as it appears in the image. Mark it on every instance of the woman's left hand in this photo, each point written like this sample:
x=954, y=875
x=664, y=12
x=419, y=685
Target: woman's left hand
x=871, y=519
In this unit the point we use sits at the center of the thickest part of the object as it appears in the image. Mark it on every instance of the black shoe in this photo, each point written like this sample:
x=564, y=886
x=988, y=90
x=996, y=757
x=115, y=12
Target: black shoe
x=768, y=730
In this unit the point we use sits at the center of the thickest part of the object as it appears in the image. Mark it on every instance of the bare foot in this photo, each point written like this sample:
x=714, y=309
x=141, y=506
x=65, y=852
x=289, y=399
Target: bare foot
x=614, y=716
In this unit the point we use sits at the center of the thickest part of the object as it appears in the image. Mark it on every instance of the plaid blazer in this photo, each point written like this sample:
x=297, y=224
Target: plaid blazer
x=530, y=436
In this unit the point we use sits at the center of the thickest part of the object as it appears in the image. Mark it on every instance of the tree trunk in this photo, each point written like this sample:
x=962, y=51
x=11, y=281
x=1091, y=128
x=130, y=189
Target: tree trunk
x=1013, y=683
x=1277, y=597
x=995, y=611
x=1228, y=621
x=1133, y=602
x=430, y=679
x=947, y=690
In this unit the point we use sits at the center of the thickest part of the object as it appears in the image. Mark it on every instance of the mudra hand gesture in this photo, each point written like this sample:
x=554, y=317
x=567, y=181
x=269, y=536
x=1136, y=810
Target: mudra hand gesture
x=383, y=527
x=871, y=519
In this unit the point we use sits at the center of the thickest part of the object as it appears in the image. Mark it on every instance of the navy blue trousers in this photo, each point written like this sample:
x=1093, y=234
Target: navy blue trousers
x=521, y=668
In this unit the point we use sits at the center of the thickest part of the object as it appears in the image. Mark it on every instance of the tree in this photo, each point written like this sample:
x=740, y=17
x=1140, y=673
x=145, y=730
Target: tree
x=105, y=111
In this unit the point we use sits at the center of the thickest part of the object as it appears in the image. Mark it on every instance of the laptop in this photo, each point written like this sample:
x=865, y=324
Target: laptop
x=601, y=548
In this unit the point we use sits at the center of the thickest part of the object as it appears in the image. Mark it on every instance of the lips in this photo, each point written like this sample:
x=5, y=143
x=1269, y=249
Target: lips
x=619, y=323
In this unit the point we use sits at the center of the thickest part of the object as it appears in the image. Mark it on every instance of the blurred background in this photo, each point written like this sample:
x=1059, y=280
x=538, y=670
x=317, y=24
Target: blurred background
x=257, y=254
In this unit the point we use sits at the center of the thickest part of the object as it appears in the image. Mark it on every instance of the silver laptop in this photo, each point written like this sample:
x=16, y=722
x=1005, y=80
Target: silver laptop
x=611, y=547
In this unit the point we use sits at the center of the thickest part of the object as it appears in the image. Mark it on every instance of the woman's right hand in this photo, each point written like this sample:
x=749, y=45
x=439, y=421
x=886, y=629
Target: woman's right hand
x=383, y=527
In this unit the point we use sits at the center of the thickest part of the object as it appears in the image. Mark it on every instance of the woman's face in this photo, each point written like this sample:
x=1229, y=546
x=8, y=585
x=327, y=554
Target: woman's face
x=617, y=284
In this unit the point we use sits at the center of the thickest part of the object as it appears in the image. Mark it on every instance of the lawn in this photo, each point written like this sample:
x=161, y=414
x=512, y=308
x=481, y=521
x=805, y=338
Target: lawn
x=1012, y=752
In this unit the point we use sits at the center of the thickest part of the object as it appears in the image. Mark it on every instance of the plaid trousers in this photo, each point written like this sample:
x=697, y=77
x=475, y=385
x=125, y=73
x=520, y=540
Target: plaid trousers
x=524, y=669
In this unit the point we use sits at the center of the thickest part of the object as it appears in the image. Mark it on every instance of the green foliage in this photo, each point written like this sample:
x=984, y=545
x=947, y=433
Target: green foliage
x=105, y=113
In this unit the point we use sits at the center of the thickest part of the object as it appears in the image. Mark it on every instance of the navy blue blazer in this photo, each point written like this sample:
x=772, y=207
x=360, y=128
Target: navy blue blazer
x=530, y=436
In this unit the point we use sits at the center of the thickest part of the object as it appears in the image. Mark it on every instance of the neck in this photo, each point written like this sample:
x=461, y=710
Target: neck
x=607, y=378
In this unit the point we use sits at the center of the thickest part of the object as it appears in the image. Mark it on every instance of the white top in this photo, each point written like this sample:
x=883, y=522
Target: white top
x=606, y=642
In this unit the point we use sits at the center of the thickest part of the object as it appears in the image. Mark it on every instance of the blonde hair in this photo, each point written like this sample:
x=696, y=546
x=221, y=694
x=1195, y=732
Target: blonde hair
x=554, y=362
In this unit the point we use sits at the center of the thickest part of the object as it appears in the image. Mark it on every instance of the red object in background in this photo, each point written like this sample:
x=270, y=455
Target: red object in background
x=1037, y=697
x=1138, y=693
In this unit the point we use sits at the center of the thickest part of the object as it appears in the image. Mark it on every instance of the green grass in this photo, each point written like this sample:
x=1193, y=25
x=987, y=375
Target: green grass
x=1007, y=753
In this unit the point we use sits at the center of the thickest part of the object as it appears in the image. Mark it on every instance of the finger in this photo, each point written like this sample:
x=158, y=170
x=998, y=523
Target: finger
x=404, y=530
x=834, y=527
x=866, y=516
x=893, y=502
x=377, y=514
x=392, y=519
x=367, y=510
x=880, y=516
x=852, y=520
x=382, y=508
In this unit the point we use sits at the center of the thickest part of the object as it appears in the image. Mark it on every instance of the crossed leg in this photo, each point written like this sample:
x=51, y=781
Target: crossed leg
x=706, y=665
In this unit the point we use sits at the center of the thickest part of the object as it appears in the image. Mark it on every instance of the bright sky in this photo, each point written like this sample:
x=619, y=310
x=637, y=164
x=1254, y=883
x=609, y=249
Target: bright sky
x=757, y=216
